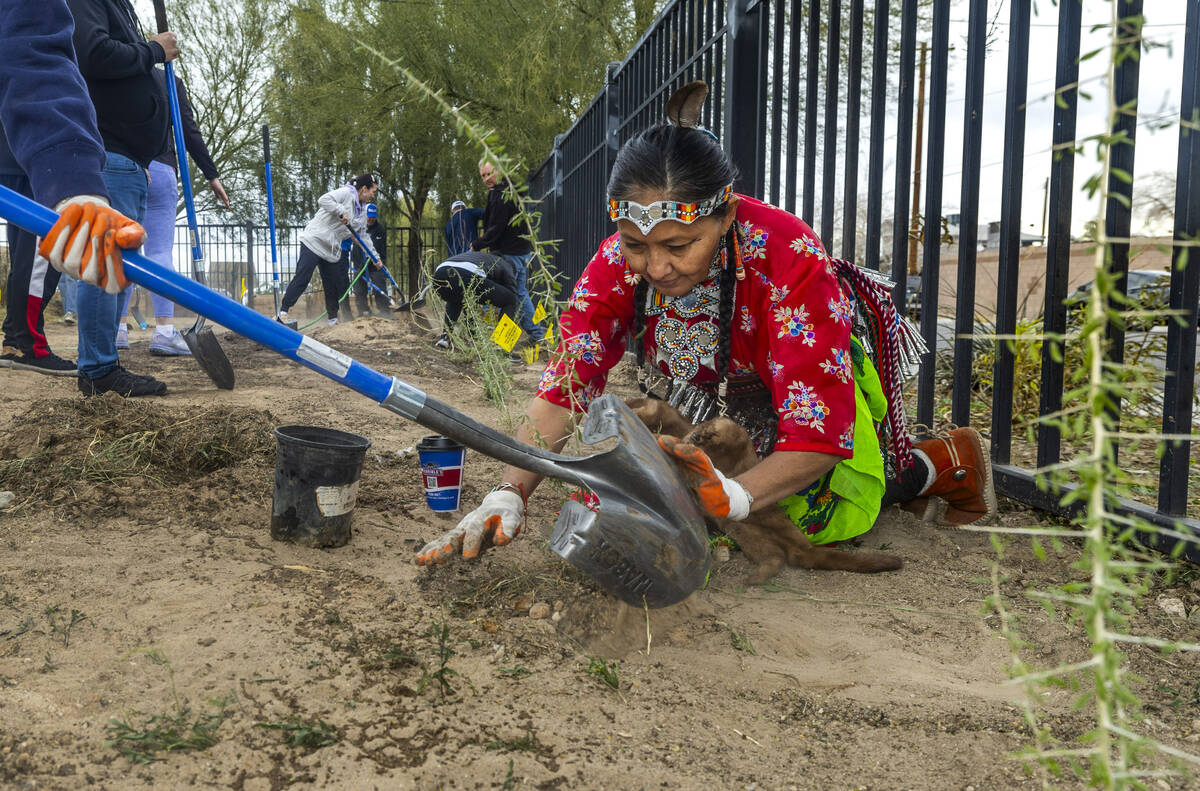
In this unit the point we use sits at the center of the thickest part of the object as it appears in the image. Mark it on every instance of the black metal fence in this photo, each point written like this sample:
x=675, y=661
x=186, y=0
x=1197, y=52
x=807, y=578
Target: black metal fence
x=759, y=56
x=237, y=258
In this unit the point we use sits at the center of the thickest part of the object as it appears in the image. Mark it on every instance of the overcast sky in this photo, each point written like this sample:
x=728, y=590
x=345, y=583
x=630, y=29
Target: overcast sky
x=1160, y=85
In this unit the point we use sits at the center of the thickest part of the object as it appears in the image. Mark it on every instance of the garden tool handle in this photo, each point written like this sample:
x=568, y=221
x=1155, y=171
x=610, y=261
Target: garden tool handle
x=160, y=15
x=390, y=392
x=270, y=201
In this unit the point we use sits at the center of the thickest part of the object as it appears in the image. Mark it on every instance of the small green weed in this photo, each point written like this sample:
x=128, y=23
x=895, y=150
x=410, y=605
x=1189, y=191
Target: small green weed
x=48, y=664
x=60, y=625
x=607, y=672
x=23, y=627
x=510, y=782
x=741, y=642
x=391, y=658
x=165, y=733
x=526, y=742
x=443, y=674
x=517, y=671
x=312, y=735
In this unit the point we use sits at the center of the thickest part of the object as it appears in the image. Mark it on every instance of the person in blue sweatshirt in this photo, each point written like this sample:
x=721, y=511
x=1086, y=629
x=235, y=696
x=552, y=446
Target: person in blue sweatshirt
x=51, y=127
x=117, y=65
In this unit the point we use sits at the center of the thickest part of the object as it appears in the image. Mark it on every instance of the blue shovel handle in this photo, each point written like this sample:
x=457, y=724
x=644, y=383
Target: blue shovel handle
x=367, y=251
x=38, y=219
x=389, y=392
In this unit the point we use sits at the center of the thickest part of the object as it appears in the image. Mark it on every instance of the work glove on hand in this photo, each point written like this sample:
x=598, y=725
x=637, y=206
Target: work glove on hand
x=721, y=497
x=87, y=240
x=497, y=520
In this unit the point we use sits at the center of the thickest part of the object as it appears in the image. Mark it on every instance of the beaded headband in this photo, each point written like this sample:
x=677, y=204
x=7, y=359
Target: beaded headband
x=646, y=217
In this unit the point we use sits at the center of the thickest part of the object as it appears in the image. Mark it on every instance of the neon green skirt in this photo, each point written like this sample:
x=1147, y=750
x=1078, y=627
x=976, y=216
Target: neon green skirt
x=845, y=502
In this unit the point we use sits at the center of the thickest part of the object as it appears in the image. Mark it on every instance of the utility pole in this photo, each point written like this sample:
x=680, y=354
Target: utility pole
x=916, y=201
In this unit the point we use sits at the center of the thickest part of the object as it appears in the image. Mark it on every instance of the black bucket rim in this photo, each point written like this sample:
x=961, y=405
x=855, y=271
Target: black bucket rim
x=341, y=440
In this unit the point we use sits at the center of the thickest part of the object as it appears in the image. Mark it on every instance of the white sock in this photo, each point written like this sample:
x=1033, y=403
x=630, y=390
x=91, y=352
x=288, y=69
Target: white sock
x=920, y=454
x=164, y=329
x=123, y=326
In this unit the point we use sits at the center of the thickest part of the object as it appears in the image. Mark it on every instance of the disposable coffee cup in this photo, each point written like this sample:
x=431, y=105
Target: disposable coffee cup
x=441, y=460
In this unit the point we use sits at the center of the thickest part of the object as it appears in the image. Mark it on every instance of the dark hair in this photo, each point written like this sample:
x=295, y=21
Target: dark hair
x=365, y=180
x=687, y=165
x=682, y=163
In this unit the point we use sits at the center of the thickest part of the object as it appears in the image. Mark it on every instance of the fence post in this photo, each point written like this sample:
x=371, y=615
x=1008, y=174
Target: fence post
x=745, y=108
x=250, y=271
x=613, y=116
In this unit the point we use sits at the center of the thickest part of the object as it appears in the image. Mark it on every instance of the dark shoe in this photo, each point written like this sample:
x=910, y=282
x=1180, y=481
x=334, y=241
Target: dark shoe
x=50, y=364
x=7, y=355
x=962, y=478
x=122, y=382
x=443, y=342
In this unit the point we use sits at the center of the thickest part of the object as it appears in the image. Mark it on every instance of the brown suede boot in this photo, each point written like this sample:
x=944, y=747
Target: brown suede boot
x=962, y=479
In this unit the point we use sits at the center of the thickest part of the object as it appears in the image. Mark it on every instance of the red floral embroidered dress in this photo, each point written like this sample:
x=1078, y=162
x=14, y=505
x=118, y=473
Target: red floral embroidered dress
x=792, y=325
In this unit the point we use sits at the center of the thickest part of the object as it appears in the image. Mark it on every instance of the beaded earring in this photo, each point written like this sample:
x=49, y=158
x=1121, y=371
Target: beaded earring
x=740, y=268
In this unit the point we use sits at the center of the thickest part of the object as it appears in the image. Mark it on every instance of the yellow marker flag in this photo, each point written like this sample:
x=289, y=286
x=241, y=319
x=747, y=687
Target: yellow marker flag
x=548, y=338
x=506, y=333
x=243, y=286
x=539, y=314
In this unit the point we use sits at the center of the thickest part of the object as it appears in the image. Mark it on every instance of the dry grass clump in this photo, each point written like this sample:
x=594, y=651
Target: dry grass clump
x=52, y=446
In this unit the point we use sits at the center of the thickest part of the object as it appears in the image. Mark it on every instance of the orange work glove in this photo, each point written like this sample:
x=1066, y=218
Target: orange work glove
x=87, y=240
x=497, y=520
x=721, y=497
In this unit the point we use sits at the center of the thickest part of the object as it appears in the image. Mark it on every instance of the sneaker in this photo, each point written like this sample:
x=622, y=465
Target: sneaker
x=332, y=321
x=173, y=345
x=282, y=317
x=122, y=337
x=442, y=342
x=962, y=479
x=68, y=317
x=122, y=382
x=7, y=355
x=50, y=364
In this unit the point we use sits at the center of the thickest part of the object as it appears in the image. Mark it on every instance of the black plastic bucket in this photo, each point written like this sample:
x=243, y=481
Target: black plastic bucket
x=316, y=484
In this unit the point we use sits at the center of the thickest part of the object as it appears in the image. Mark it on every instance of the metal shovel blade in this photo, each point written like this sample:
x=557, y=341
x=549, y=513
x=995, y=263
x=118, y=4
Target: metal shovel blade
x=647, y=544
x=207, y=352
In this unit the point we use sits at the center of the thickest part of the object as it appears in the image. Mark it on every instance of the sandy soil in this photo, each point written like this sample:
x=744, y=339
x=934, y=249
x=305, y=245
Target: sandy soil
x=161, y=593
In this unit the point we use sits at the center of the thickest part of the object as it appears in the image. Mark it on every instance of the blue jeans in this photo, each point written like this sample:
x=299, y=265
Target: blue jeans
x=161, y=196
x=524, y=303
x=98, y=310
x=66, y=287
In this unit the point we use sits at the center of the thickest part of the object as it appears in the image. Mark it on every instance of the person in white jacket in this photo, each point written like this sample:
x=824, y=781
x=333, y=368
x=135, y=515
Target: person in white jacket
x=320, y=243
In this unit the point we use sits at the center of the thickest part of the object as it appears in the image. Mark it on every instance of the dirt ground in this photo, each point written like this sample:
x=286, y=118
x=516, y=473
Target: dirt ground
x=142, y=601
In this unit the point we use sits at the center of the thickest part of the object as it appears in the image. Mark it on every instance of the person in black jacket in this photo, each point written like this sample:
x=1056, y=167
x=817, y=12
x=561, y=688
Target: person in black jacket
x=117, y=64
x=490, y=277
x=362, y=291
x=162, y=199
x=503, y=238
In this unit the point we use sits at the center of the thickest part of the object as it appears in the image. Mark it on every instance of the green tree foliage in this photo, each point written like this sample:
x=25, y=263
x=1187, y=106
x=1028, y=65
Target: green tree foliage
x=524, y=69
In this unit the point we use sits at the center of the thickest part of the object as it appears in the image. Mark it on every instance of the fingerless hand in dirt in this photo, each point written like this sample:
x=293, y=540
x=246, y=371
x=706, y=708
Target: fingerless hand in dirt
x=87, y=240
x=721, y=497
x=497, y=520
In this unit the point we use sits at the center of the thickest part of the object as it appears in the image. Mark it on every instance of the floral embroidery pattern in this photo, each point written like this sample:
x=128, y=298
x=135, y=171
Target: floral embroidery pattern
x=747, y=324
x=611, y=250
x=804, y=405
x=794, y=323
x=585, y=347
x=846, y=440
x=754, y=243
x=739, y=368
x=581, y=294
x=841, y=309
x=774, y=367
x=838, y=365
x=807, y=246
x=778, y=294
